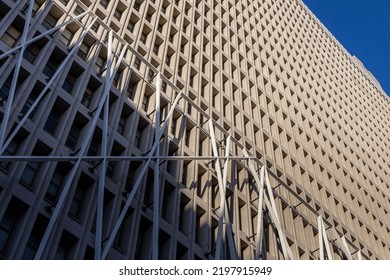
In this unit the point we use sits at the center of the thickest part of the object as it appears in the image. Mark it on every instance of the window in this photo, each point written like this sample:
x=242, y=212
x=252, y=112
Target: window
x=130, y=26
x=52, y=191
x=83, y=50
x=65, y=2
x=137, y=139
x=12, y=215
x=118, y=15
x=117, y=79
x=29, y=173
x=9, y=151
x=65, y=249
x=145, y=103
x=148, y=17
x=75, y=207
x=53, y=62
x=73, y=135
x=4, y=90
x=80, y=196
x=87, y=97
x=95, y=26
x=49, y=22
x=35, y=8
x=184, y=214
x=52, y=121
x=121, y=124
x=11, y=35
x=173, y=126
x=93, y=147
x=187, y=137
x=31, y=52
x=78, y=10
x=137, y=63
x=30, y=100
x=156, y=49
x=100, y=64
x=131, y=89
x=69, y=82
x=66, y=36
x=35, y=237
x=110, y=169
x=150, y=75
x=164, y=86
x=104, y=3
x=180, y=70
x=143, y=37
x=168, y=60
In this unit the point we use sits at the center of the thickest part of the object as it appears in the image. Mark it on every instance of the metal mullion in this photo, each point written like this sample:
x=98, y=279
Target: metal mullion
x=102, y=173
x=116, y=158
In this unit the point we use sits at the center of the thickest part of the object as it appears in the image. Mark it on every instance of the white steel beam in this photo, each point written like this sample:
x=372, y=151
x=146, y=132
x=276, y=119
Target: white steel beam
x=271, y=206
x=343, y=244
x=138, y=182
x=260, y=225
x=10, y=97
x=273, y=211
x=74, y=169
x=359, y=255
x=103, y=166
x=232, y=248
x=116, y=158
x=156, y=187
x=224, y=214
x=47, y=86
x=323, y=239
x=50, y=31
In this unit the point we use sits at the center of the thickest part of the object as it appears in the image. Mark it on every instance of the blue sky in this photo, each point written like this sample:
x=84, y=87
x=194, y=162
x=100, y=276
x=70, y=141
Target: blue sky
x=363, y=28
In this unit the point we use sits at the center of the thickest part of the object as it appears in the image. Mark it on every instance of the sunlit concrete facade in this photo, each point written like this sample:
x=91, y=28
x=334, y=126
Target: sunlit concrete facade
x=266, y=72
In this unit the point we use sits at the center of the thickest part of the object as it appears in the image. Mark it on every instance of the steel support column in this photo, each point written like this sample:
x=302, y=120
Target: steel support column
x=156, y=187
x=343, y=244
x=271, y=206
x=224, y=214
x=138, y=182
x=104, y=146
x=323, y=239
x=36, y=38
x=11, y=94
x=74, y=169
x=47, y=86
x=260, y=225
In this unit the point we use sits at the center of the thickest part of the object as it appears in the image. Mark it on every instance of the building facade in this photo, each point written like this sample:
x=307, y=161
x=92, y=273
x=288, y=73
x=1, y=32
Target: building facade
x=187, y=129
